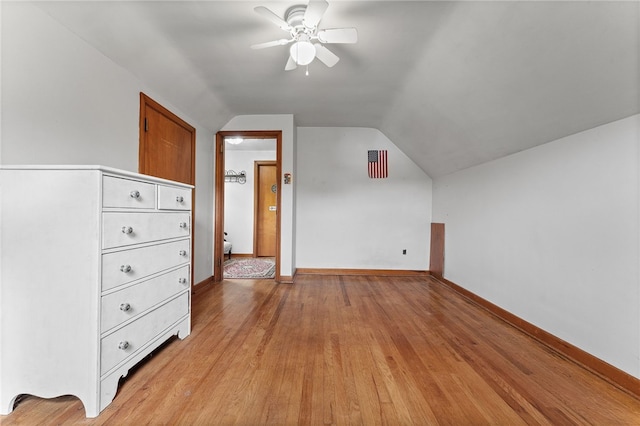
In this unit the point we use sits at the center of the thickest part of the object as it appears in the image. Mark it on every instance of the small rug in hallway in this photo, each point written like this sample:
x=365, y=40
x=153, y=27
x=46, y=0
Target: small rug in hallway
x=250, y=267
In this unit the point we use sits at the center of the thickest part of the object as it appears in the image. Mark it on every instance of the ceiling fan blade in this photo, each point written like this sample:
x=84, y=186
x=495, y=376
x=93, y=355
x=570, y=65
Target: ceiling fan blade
x=280, y=42
x=326, y=56
x=338, y=35
x=291, y=64
x=314, y=12
x=263, y=11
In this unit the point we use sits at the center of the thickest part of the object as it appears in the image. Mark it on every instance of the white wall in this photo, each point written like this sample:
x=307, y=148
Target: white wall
x=63, y=102
x=283, y=122
x=551, y=234
x=347, y=220
x=239, y=198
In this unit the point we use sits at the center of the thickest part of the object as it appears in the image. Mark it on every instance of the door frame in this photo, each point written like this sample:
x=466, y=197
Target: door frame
x=256, y=193
x=218, y=233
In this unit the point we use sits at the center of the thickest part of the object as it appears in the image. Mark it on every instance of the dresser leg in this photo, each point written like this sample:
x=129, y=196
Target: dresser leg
x=91, y=408
x=6, y=407
x=108, y=389
x=184, y=329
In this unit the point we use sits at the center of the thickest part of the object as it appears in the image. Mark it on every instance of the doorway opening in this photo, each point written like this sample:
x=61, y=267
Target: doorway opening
x=236, y=168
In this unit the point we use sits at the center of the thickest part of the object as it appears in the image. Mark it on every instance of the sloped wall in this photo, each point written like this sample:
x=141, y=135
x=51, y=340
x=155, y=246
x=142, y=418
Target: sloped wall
x=551, y=234
x=64, y=102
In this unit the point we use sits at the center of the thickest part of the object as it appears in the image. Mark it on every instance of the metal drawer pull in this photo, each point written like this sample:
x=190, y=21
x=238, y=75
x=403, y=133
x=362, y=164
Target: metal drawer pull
x=183, y=224
x=182, y=280
x=127, y=230
x=135, y=194
x=125, y=307
x=125, y=268
x=180, y=199
x=123, y=345
x=183, y=252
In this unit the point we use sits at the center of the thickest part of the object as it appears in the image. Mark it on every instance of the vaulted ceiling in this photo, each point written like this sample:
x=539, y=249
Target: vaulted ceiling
x=452, y=84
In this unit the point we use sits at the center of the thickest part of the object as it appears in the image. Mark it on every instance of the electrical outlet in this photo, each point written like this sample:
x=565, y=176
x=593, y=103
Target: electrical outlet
x=404, y=251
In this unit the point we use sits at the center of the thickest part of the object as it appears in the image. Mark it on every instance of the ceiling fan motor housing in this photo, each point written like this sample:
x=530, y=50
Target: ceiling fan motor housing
x=295, y=18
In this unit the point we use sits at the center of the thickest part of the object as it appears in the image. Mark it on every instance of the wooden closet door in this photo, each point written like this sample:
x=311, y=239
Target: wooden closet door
x=167, y=143
x=266, y=188
x=168, y=150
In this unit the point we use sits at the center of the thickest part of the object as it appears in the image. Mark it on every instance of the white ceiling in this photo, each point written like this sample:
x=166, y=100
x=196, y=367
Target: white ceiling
x=452, y=84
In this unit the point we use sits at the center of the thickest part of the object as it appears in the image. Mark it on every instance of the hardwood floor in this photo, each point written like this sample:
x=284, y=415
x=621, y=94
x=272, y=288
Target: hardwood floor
x=348, y=350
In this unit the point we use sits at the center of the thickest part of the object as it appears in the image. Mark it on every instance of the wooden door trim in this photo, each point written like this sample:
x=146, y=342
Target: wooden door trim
x=218, y=235
x=142, y=168
x=256, y=191
x=218, y=215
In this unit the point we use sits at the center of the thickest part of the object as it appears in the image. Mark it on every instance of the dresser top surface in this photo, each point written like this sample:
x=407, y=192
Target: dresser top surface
x=103, y=169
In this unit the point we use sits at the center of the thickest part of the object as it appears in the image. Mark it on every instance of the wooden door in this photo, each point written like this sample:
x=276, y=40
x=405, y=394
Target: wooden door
x=167, y=143
x=266, y=189
x=167, y=150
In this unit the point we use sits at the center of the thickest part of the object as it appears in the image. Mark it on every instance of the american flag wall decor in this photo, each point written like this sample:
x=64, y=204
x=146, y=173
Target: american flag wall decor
x=377, y=164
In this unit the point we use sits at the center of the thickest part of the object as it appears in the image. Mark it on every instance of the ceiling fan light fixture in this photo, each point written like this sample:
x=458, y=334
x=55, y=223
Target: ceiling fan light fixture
x=306, y=39
x=302, y=52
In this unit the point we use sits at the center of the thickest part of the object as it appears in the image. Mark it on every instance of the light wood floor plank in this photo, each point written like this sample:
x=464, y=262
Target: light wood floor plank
x=348, y=350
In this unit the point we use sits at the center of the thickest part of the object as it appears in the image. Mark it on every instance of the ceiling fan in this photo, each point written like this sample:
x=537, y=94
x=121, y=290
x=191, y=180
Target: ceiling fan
x=308, y=41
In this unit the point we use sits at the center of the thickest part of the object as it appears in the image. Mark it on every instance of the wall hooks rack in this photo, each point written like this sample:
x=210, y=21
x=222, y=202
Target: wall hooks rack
x=232, y=176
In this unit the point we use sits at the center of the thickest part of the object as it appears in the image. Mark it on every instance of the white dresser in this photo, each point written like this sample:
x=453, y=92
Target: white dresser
x=94, y=275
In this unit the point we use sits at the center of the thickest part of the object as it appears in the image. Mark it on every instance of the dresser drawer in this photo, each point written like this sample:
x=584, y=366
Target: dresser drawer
x=117, y=192
x=123, y=229
x=118, y=346
x=130, y=302
x=172, y=198
x=125, y=266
